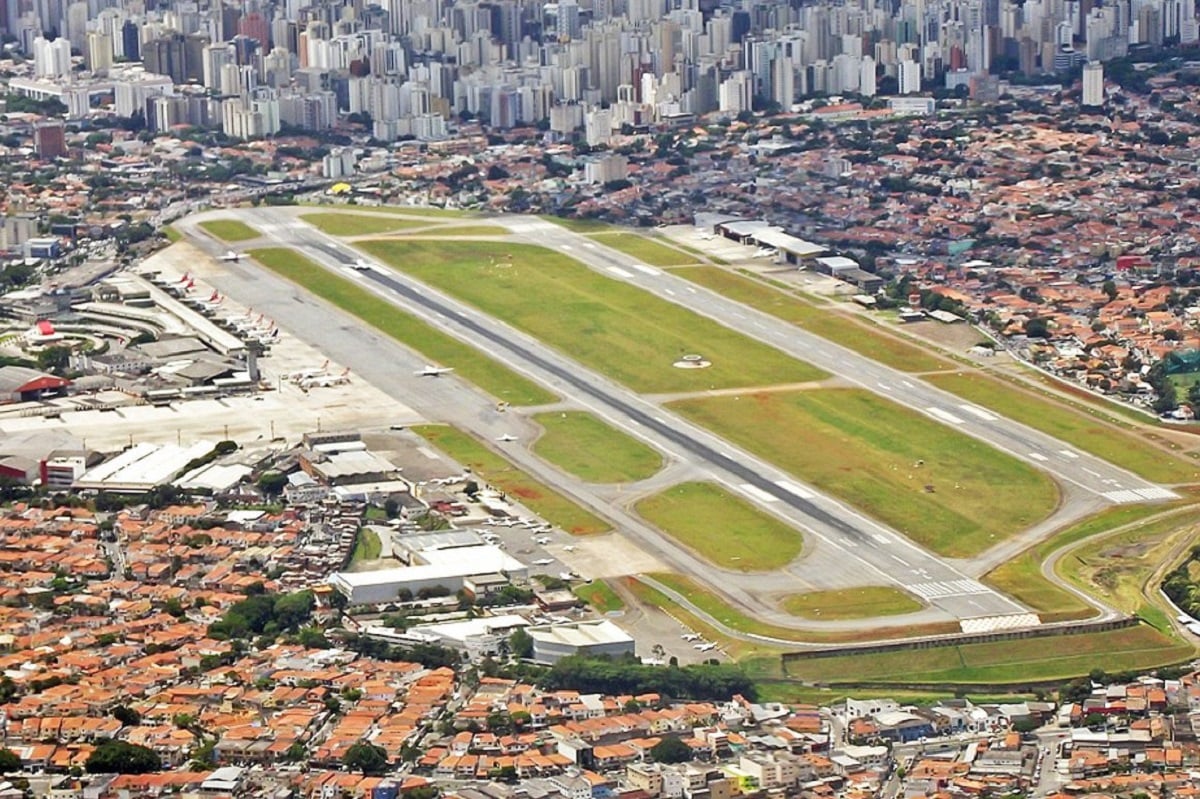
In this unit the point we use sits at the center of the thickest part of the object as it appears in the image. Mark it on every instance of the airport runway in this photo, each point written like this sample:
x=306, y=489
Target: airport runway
x=1065, y=462
x=858, y=549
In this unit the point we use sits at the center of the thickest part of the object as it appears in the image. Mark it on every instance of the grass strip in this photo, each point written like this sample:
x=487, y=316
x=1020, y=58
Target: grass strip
x=582, y=445
x=600, y=596
x=859, y=337
x=612, y=327
x=367, y=546
x=722, y=528
x=230, y=230
x=1091, y=435
x=946, y=490
x=1022, y=578
x=1013, y=661
x=645, y=249
x=491, y=376
x=867, y=602
x=341, y=224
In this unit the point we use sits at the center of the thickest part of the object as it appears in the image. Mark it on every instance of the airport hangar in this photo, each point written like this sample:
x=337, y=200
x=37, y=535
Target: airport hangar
x=452, y=568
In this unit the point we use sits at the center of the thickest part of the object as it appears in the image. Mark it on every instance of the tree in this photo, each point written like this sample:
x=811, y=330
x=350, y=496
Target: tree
x=54, y=359
x=272, y=483
x=127, y=715
x=1110, y=289
x=120, y=757
x=671, y=750
x=1037, y=328
x=10, y=763
x=365, y=757
x=520, y=643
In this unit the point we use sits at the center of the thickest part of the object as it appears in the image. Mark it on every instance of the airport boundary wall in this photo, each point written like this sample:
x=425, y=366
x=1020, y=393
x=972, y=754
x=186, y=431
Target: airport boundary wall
x=1044, y=631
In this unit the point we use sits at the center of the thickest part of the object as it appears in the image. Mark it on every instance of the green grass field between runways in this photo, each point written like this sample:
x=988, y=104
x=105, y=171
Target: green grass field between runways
x=867, y=602
x=617, y=329
x=721, y=527
x=230, y=230
x=941, y=488
x=341, y=224
x=645, y=249
x=860, y=337
x=494, y=378
x=581, y=444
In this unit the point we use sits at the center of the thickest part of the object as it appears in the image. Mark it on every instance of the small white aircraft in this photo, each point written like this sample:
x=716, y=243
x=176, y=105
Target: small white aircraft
x=306, y=373
x=541, y=541
x=706, y=647
x=361, y=264
x=232, y=255
x=542, y=562
x=434, y=371
x=506, y=437
x=569, y=548
x=691, y=636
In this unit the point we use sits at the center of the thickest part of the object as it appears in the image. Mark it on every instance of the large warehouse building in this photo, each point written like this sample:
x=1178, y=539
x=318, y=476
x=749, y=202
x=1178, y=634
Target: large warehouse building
x=450, y=568
x=552, y=643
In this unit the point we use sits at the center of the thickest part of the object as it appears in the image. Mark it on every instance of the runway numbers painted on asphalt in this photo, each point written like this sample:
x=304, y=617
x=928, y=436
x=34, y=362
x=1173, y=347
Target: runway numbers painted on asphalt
x=943, y=416
x=757, y=493
x=980, y=412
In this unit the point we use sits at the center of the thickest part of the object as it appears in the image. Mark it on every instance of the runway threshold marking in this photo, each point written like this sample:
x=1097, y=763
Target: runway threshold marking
x=944, y=416
x=756, y=493
x=646, y=270
x=619, y=272
x=1037, y=456
x=980, y=412
x=792, y=488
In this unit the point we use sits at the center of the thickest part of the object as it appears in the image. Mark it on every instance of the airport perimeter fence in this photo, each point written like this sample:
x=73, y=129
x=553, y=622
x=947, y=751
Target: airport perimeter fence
x=935, y=642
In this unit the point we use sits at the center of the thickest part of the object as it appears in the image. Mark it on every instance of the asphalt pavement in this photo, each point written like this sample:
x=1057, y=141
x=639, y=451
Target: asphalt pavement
x=850, y=549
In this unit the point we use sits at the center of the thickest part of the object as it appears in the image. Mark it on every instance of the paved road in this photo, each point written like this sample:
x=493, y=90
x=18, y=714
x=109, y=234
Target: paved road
x=1067, y=463
x=852, y=549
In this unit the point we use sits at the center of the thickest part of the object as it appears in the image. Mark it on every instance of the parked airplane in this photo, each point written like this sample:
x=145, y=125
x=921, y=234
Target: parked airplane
x=706, y=647
x=506, y=437
x=691, y=636
x=569, y=548
x=434, y=371
x=541, y=541
x=542, y=562
x=361, y=264
x=324, y=381
x=307, y=373
x=232, y=255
